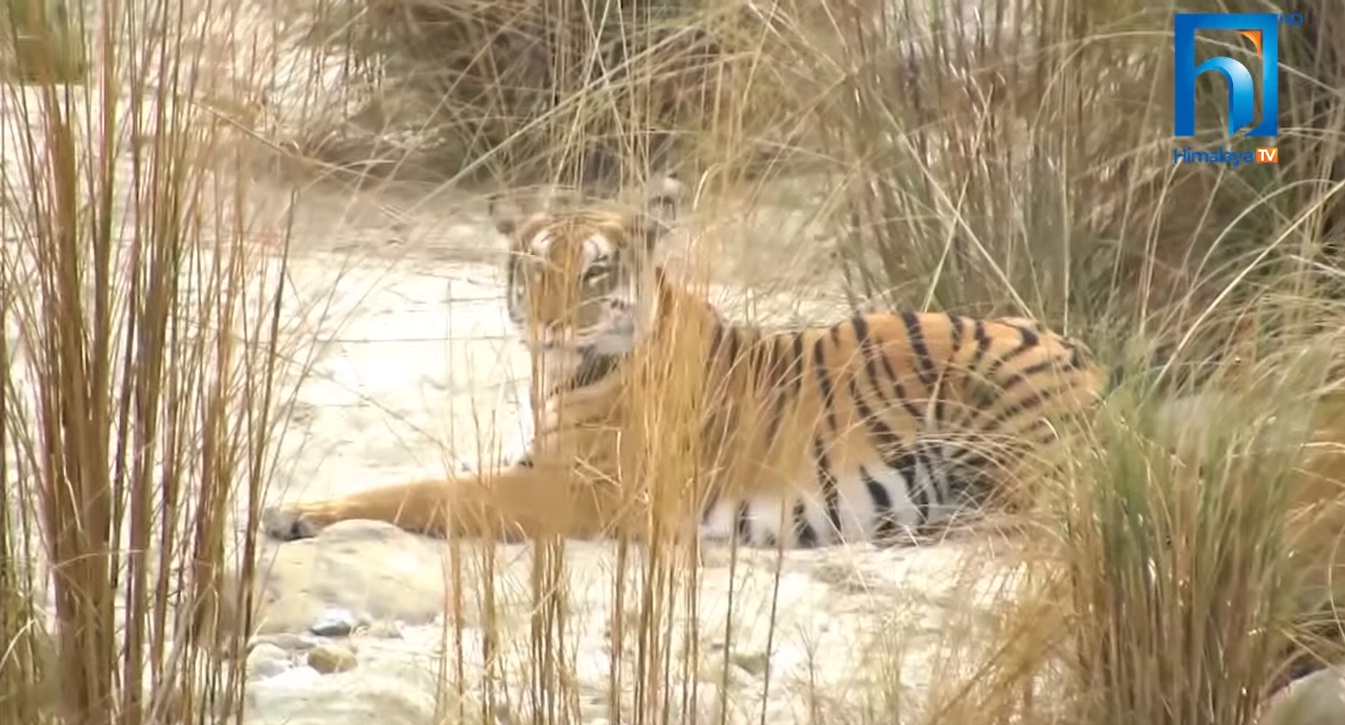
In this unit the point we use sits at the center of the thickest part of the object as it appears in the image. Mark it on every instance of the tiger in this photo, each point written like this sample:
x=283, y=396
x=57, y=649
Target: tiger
x=878, y=428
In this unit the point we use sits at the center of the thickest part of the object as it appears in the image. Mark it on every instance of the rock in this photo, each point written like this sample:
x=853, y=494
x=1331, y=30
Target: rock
x=334, y=622
x=267, y=660
x=351, y=574
x=388, y=689
x=327, y=658
x=1317, y=699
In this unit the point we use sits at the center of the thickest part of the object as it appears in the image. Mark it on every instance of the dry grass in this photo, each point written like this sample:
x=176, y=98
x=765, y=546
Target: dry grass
x=143, y=388
x=1172, y=574
x=572, y=92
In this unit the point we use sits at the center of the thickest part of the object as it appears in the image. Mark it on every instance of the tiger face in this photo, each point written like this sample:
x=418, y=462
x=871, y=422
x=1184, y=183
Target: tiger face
x=576, y=271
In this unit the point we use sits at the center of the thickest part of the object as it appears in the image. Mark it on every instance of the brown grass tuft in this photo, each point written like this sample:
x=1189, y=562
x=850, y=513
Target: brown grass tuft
x=143, y=389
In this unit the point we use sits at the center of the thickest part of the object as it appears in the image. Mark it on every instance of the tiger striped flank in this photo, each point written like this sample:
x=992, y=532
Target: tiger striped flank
x=900, y=411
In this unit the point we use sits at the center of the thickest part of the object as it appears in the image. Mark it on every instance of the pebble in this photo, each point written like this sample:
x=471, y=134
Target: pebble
x=330, y=657
x=334, y=622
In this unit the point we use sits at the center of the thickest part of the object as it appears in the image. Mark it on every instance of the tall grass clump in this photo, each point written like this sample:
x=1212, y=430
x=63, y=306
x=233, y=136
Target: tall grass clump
x=142, y=390
x=1016, y=158
x=571, y=92
x=1194, y=548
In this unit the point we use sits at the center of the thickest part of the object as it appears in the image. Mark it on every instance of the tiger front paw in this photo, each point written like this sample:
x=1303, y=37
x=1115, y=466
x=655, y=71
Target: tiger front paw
x=289, y=523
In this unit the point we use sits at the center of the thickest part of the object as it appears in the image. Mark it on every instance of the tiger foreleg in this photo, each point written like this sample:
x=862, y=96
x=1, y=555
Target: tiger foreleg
x=517, y=502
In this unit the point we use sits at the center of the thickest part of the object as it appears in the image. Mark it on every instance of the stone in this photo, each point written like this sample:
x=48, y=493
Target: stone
x=350, y=575
x=328, y=657
x=334, y=622
x=267, y=660
x=1316, y=699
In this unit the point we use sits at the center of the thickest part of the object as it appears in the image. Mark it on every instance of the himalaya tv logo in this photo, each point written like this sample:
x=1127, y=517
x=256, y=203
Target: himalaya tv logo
x=1221, y=155
x=1262, y=29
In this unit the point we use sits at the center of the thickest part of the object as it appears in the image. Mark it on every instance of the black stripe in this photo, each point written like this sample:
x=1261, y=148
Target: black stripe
x=1026, y=405
x=925, y=366
x=898, y=389
x=824, y=383
x=904, y=462
x=1039, y=433
x=1024, y=376
x=940, y=398
x=795, y=379
x=806, y=535
x=775, y=368
x=982, y=344
x=883, y=514
x=869, y=353
x=930, y=494
x=885, y=437
x=742, y=523
x=861, y=329
x=593, y=369
x=1030, y=336
x=787, y=385
x=1028, y=341
x=830, y=490
x=956, y=323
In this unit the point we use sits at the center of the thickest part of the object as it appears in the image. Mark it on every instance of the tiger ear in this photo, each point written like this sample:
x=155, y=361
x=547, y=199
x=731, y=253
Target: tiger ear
x=505, y=214
x=661, y=206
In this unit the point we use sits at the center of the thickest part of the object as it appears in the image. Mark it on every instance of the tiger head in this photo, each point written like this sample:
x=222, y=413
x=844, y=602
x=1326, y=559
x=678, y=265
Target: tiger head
x=576, y=272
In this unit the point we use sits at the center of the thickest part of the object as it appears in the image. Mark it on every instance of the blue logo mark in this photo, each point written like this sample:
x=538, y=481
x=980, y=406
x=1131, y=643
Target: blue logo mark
x=1262, y=29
